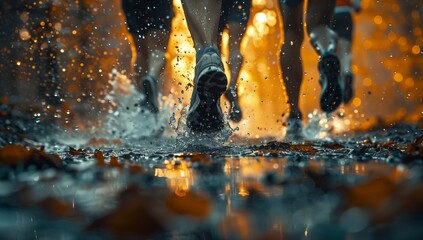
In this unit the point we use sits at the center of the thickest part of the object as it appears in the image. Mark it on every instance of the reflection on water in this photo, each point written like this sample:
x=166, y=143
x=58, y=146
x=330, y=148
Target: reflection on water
x=249, y=173
x=242, y=174
x=268, y=191
x=249, y=184
x=180, y=177
x=373, y=169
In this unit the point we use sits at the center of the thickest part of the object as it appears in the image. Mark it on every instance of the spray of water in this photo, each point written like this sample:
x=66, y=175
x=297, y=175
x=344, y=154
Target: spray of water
x=126, y=120
x=193, y=141
x=323, y=126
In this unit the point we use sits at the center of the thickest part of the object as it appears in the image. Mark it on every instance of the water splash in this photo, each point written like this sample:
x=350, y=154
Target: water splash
x=189, y=140
x=325, y=126
x=126, y=119
x=319, y=125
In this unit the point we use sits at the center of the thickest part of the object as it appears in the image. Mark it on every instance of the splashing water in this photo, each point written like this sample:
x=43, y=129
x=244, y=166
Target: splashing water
x=127, y=120
x=188, y=140
x=319, y=125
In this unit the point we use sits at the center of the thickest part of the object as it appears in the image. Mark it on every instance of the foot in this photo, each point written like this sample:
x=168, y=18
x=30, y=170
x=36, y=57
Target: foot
x=348, y=87
x=235, y=112
x=331, y=96
x=149, y=89
x=205, y=114
x=294, y=126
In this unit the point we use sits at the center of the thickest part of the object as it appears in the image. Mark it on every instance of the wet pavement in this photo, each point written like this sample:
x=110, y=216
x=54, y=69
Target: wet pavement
x=362, y=185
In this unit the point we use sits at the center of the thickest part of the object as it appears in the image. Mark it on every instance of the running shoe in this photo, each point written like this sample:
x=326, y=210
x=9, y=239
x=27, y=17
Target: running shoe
x=348, y=87
x=331, y=96
x=235, y=112
x=205, y=114
x=149, y=89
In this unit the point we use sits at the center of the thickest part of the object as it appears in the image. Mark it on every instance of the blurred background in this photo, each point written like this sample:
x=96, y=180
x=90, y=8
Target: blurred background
x=56, y=58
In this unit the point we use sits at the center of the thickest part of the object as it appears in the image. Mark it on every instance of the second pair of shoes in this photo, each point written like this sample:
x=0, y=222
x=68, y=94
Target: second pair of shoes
x=334, y=92
x=336, y=89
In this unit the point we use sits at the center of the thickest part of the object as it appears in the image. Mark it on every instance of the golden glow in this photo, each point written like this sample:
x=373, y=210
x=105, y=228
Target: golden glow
x=402, y=41
x=261, y=18
x=367, y=44
x=416, y=49
x=392, y=36
x=417, y=31
x=374, y=169
x=378, y=19
x=409, y=82
x=367, y=82
x=180, y=176
x=58, y=26
x=24, y=34
x=398, y=77
x=243, y=192
x=356, y=102
x=340, y=125
x=249, y=173
x=354, y=68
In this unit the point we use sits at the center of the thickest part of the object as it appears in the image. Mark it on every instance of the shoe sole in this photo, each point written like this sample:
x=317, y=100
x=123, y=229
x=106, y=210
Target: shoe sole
x=331, y=96
x=207, y=116
x=149, y=95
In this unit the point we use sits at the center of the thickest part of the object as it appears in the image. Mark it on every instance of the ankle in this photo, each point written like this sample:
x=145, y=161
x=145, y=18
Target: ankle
x=205, y=50
x=295, y=114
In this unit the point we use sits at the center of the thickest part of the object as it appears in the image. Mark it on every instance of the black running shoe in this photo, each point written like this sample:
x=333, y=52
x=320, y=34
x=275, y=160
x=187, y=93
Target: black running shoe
x=329, y=69
x=149, y=89
x=348, y=87
x=235, y=112
x=205, y=114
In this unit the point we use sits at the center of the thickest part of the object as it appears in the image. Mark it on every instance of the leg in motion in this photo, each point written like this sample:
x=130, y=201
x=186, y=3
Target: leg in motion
x=324, y=41
x=149, y=23
x=291, y=63
x=205, y=114
x=342, y=24
x=235, y=16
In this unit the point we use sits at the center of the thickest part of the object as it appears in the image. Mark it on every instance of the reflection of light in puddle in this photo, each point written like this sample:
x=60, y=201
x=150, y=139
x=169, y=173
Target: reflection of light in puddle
x=180, y=176
x=373, y=169
x=366, y=169
x=248, y=173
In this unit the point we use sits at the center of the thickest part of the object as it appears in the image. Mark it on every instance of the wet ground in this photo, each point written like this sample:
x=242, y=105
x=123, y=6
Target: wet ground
x=362, y=185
